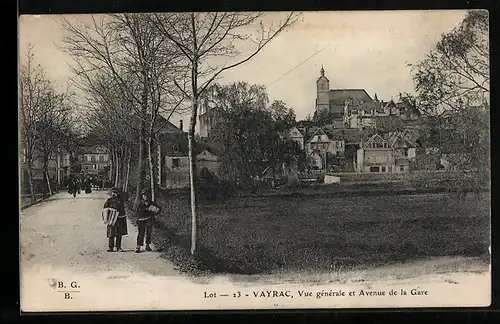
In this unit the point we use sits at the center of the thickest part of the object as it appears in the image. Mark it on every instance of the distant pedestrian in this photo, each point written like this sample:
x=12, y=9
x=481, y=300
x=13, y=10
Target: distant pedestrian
x=146, y=210
x=75, y=187
x=116, y=230
x=69, y=181
x=88, y=185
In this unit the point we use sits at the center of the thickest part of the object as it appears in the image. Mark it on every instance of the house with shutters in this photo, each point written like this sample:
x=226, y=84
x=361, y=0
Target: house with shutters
x=362, y=115
x=390, y=152
x=173, y=154
x=320, y=143
x=95, y=161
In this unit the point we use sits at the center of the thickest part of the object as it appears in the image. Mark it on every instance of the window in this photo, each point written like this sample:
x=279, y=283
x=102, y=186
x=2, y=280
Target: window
x=88, y=157
x=175, y=163
x=92, y=158
x=383, y=169
x=101, y=158
x=374, y=169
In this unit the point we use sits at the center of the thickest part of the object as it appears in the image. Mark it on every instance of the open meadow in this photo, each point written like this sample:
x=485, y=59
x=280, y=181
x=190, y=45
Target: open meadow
x=259, y=235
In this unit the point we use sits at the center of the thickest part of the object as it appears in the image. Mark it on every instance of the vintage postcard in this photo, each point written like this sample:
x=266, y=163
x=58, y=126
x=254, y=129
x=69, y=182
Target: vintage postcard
x=247, y=160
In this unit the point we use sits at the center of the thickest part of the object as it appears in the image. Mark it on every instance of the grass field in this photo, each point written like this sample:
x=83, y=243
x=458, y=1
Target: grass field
x=257, y=235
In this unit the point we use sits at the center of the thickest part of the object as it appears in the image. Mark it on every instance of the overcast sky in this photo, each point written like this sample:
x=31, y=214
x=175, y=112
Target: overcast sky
x=363, y=49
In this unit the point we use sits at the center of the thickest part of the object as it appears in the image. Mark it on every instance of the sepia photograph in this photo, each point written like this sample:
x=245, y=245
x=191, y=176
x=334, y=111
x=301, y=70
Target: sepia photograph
x=254, y=160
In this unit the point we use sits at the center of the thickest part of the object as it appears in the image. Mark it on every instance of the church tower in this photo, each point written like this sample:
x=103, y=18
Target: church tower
x=322, y=89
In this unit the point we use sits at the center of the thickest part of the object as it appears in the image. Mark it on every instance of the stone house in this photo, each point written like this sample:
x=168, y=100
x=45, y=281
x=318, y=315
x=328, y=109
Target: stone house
x=208, y=160
x=95, y=160
x=389, y=152
x=320, y=143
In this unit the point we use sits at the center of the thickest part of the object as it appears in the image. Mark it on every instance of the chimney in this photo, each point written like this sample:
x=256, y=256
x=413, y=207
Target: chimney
x=180, y=125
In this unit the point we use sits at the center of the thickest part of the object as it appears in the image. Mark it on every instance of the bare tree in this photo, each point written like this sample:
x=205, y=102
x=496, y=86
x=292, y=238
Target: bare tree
x=202, y=37
x=33, y=89
x=128, y=48
x=111, y=120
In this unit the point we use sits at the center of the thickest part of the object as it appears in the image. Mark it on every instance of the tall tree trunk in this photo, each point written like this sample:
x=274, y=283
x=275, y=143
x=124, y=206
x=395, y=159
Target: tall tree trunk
x=159, y=176
x=128, y=170
x=30, y=180
x=141, y=174
x=48, y=183
x=111, y=164
x=46, y=174
x=113, y=168
x=58, y=171
x=194, y=219
x=192, y=165
x=122, y=166
x=117, y=168
x=141, y=171
x=151, y=168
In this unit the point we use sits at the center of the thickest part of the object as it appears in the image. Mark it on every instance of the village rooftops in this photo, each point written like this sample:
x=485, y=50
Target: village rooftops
x=392, y=139
x=367, y=107
x=339, y=96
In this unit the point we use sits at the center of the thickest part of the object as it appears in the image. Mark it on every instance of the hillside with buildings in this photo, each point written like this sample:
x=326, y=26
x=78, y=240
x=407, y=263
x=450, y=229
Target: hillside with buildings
x=352, y=132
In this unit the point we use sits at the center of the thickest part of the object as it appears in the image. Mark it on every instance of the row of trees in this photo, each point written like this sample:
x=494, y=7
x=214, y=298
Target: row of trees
x=47, y=121
x=132, y=68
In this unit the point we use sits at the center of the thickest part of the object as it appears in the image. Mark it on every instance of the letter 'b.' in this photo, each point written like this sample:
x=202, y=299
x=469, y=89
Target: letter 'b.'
x=60, y=284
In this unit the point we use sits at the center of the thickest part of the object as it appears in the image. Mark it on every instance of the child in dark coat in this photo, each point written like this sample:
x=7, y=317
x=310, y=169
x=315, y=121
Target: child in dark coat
x=145, y=220
x=116, y=231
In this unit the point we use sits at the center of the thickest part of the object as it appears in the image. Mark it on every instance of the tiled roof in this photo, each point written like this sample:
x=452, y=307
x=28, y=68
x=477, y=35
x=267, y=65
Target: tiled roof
x=338, y=96
x=367, y=106
x=166, y=126
x=332, y=135
x=392, y=137
x=210, y=146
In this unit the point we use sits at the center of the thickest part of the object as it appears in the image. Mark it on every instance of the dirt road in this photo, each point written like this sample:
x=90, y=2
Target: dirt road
x=65, y=267
x=69, y=232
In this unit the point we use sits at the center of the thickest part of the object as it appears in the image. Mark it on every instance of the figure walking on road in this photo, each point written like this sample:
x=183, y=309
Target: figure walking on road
x=145, y=220
x=119, y=228
x=75, y=187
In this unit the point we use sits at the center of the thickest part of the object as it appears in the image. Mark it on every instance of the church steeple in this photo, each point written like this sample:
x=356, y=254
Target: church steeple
x=322, y=90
